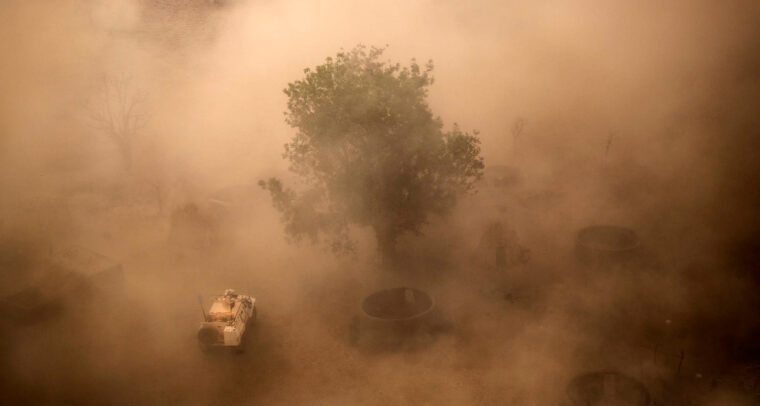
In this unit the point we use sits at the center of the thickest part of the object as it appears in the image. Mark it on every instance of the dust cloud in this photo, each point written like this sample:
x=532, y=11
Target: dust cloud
x=138, y=129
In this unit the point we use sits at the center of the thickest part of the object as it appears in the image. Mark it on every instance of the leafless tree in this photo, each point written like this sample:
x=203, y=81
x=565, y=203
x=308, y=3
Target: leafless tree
x=517, y=128
x=610, y=137
x=118, y=111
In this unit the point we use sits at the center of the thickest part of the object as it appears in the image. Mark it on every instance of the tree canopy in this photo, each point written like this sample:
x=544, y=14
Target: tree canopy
x=370, y=152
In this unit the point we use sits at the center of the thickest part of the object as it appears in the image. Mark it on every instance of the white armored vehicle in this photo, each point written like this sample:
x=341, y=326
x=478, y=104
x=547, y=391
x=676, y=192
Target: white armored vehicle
x=226, y=321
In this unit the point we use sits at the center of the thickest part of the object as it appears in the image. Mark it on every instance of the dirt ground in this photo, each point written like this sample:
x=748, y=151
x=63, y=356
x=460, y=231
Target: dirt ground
x=634, y=114
x=519, y=335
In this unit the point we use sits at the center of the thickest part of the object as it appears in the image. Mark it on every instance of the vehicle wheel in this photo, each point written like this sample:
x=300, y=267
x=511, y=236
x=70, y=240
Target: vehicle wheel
x=240, y=348
x=206, y=338
x=252, y=319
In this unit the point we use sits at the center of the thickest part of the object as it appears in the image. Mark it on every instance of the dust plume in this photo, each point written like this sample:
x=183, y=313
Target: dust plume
x=136, y=131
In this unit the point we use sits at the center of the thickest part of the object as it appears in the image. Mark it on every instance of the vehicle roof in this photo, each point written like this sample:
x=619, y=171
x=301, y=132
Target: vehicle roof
x=221, y=307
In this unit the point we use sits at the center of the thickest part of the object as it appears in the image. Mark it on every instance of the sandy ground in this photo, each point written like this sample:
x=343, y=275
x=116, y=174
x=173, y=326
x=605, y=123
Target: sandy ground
x=518, y=336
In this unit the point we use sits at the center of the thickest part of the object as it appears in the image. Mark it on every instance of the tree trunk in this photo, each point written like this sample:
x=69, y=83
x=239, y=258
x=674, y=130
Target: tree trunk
x=126, y=154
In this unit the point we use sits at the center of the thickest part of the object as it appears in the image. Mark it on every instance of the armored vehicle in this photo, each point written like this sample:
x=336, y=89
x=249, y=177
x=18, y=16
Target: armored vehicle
x=226, y=322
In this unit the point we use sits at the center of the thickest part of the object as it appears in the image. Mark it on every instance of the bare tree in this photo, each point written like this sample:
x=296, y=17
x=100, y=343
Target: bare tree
x=610, y=137
x=118, y=111
x=517, y=128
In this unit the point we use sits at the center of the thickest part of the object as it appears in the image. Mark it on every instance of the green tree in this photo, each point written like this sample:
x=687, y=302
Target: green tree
x=370, y=152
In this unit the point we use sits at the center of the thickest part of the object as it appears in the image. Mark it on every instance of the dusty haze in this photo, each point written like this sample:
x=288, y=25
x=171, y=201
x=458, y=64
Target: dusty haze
x=638, y=113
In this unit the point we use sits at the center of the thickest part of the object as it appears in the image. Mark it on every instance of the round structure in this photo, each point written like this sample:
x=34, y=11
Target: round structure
x=606, y=244
x=397, y=304
x=607, y=388
x=394, y=316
